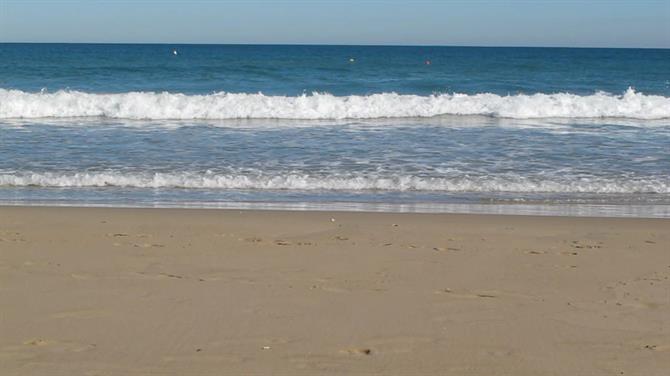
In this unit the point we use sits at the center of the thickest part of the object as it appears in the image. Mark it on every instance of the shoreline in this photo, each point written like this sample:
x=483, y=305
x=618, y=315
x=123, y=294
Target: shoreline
x=209, y=292
x=638, y=211
x=259, y=210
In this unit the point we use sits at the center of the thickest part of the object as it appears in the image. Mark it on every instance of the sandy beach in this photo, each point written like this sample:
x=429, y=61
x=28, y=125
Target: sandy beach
x=96, y=291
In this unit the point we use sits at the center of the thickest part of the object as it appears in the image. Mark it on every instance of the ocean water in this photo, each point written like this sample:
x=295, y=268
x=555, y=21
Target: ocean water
x=456, y=129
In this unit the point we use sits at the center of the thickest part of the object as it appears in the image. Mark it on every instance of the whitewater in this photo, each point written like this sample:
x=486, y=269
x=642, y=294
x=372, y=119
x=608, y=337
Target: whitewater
x=344, y=182
x=18, y=104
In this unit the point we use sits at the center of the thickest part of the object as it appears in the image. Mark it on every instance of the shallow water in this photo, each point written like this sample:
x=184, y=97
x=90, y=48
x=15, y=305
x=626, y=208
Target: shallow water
x=531, y=133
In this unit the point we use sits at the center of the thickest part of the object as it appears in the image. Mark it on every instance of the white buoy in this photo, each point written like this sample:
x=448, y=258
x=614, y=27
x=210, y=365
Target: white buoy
x=351, y=60
x=174, y=52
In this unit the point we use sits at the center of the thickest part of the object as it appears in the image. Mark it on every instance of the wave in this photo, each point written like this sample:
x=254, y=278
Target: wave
x=193, y=180
x=218, y=106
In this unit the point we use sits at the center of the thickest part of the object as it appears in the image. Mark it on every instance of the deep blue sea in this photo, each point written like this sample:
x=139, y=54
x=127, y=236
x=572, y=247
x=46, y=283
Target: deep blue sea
x=455, y=129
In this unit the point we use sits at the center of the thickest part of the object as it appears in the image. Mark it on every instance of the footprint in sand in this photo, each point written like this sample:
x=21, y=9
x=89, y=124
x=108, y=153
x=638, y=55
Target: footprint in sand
x=581, y=244
x=357, y=351
x=156, y=276
x=117, y=234
x=148, y=245
x=570, y=253
x=12, y=237
x=176, y=276
x=487, y=294
x=655, y=347
x=443, y=249
x=36, y=342
x=470, y=295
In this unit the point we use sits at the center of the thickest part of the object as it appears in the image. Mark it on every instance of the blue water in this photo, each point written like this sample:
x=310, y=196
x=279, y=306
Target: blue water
x=292, y=70
x=553, y=130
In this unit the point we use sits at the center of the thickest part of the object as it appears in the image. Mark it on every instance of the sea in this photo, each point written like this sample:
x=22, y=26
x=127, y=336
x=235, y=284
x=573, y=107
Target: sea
x=543, y=131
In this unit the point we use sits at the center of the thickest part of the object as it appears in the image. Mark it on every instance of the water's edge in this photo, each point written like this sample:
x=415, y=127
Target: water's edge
x=557, y=210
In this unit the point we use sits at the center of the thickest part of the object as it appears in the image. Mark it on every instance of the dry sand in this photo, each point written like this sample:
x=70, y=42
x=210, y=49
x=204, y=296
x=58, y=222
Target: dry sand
x=214, y=292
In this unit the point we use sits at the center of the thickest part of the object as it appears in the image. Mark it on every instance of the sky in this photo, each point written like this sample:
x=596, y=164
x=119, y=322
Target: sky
x=568, y=23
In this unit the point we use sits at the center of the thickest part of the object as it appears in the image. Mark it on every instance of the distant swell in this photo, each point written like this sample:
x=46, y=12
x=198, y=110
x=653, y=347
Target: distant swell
x=150, y=105
x=192, y=180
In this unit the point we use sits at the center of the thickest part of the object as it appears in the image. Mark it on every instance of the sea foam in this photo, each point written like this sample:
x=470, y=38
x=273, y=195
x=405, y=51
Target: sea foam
x=222, y=105
x=344, y=182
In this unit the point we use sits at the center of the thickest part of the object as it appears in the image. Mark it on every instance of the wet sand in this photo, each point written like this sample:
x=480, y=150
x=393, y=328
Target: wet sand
x=91, y=291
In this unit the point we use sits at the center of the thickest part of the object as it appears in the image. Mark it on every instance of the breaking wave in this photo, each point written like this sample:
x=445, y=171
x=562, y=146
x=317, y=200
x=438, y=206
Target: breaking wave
x=217, y=106
x=192, y=180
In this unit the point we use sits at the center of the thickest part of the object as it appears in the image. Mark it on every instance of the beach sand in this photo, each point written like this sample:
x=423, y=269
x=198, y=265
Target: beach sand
x=96, y=291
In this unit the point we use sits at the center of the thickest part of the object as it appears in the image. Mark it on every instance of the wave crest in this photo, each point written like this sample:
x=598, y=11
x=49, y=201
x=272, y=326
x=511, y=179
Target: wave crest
x=193, y=180
x=222, y=105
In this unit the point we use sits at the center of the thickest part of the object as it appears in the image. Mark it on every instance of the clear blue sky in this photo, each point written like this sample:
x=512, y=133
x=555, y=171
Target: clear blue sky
x=580, y=23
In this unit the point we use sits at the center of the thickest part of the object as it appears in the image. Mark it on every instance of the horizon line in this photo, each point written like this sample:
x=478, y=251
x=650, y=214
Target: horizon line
x=341, y=45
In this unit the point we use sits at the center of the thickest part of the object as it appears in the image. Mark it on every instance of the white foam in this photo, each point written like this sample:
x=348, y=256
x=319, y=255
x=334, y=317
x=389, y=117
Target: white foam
x=503, y=183
x=162, y=106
